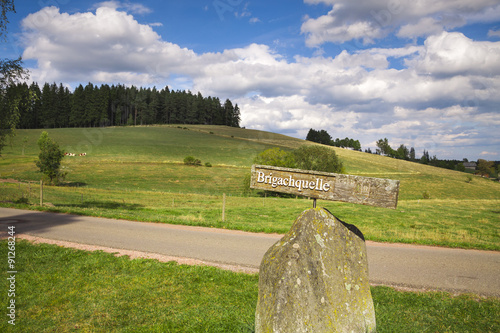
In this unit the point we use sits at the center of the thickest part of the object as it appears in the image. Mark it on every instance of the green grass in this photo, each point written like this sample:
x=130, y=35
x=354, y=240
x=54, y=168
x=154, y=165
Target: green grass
x=67, y=290
x=138, y=173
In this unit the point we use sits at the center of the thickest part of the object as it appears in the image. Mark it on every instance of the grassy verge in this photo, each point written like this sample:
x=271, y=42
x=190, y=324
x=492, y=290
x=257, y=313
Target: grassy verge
x=67, y=290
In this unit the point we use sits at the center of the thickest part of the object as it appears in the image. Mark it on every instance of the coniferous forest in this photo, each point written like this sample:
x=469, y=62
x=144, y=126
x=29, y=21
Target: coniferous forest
x=55, y=106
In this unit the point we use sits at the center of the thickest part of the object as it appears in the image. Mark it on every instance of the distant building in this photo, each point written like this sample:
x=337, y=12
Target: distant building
x=470, y=165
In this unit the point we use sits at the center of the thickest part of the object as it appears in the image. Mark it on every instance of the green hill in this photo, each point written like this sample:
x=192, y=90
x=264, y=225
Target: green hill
x=138, y=173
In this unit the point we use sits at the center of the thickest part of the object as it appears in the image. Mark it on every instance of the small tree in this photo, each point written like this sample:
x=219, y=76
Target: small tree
x=385, y=148
x=484, y=167
x=49, y=159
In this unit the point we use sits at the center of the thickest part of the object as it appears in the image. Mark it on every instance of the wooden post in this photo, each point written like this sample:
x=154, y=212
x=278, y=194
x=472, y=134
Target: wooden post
x=41, y=192
x=223, y=207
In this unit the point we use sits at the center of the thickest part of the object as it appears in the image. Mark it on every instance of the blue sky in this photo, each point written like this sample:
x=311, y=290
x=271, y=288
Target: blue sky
x=423, y=73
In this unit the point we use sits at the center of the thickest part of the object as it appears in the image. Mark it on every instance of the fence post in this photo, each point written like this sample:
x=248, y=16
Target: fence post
x=41, y=192
x=223, y=207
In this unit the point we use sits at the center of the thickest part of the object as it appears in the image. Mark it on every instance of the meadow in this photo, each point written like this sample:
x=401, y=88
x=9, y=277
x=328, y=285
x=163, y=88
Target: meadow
x=137, y=173
x=67, y=290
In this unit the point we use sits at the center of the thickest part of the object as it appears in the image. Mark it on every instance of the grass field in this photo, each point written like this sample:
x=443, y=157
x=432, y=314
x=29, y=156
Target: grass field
x=66, y=290
x=137, y=173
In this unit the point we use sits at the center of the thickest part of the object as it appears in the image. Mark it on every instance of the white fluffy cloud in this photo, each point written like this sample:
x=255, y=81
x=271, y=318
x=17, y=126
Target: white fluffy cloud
x=373, y=19
x=87, y=46
x=445, y=94
x=455, y=54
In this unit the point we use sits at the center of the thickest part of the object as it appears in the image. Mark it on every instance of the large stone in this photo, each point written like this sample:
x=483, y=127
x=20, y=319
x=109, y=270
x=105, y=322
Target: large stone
x=315, y=279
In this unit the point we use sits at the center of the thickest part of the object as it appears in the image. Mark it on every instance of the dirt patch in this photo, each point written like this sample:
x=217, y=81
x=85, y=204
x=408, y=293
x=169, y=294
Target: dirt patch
x=9, y=180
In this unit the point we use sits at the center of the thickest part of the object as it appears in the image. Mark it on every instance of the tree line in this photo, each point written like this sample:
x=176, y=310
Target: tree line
x=324, y=138
x=486, y=168
x=403, y=153
x=55, y=106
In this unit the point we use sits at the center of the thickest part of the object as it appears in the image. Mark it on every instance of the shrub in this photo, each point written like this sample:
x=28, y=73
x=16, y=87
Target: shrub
x=426, y=195
x=208, y=164
x=317, y=158
x=22, y=200
x=308, y=157
x=190, y=160
x=275, y=157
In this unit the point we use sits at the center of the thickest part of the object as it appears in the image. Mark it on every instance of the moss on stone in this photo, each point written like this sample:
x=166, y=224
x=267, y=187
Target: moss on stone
x=315, y=279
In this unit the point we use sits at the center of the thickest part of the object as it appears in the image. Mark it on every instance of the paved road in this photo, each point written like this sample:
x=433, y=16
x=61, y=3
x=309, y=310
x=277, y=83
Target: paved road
x=415, y=267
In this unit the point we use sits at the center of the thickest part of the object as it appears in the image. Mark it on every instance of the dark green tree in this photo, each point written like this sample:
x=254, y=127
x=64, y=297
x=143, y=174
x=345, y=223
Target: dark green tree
x=384, y=148
x=403, y=153
x=425, y=159
x=228, y=112
x=11, y=71
x=49, y=158
x=485, y=168
x=236, y=116
x=412, y=154
x=320, y=136
x=77, y=108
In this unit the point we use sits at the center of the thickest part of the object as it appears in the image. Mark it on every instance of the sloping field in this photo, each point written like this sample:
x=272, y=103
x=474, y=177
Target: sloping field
x=138, y=173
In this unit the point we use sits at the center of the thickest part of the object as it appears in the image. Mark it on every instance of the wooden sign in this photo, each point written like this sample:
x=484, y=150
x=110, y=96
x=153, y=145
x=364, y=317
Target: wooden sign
x=327, y=186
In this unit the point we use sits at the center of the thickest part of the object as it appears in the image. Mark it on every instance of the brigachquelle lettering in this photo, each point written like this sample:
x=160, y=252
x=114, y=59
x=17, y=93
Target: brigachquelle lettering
x=318, y=185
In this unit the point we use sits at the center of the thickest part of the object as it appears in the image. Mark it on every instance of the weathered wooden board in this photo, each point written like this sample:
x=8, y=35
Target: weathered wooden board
x=327, y=186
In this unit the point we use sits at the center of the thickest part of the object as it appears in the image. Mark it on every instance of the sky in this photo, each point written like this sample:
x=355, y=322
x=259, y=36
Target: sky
x=423, y=73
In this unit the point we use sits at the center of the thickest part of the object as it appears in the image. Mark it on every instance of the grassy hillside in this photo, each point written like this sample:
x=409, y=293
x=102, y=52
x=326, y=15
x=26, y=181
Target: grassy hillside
x=137, y=173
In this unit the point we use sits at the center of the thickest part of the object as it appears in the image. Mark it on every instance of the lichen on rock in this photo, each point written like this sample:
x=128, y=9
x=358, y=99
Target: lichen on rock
x=315, y=279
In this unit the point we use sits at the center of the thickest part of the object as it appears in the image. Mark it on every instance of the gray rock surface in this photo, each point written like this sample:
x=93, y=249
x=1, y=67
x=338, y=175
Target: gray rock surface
x=315, y=279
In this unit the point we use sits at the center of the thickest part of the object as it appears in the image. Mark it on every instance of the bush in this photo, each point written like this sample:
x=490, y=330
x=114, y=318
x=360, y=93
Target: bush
x=275, y=157
x=22, y=200
x=208, y=164
x=190, y=160
x=426, y=195
x=308, y=157
x=317, y=158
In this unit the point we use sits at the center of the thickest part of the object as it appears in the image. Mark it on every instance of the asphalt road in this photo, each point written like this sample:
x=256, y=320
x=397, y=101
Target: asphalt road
x=414, y=267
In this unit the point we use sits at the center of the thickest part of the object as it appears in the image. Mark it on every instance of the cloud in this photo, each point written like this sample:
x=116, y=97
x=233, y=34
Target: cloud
x=494, y=33
x=484, y=153
x=455, y=54
x=369, y=20
x=84, y=45
x=134, y=8
x=444, y=95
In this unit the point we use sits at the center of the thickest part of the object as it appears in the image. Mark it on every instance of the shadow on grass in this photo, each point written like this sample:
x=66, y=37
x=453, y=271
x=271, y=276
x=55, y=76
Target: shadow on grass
x=103, y=204
x=73, y=184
